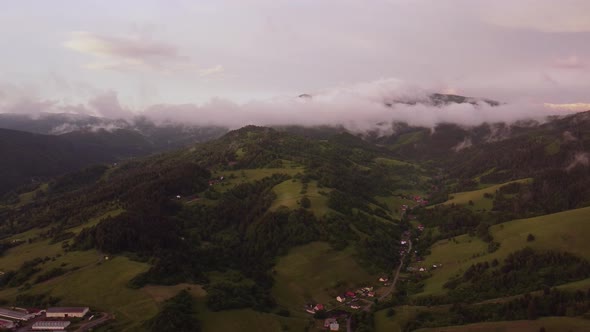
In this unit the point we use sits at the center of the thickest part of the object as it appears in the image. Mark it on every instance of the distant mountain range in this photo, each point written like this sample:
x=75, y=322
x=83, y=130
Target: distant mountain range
x=36, y=148
x=46, y=145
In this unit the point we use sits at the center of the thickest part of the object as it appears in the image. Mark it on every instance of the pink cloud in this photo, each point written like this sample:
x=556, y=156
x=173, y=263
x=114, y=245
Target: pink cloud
x=570, y=62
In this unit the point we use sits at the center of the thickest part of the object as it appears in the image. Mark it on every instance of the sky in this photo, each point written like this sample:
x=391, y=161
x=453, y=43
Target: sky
x=118, y=58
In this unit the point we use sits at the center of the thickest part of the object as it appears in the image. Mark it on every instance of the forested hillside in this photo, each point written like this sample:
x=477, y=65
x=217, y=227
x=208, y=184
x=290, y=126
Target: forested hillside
x=226, y=220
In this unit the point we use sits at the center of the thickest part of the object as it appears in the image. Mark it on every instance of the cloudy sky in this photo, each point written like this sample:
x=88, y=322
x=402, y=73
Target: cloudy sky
x=136, y=53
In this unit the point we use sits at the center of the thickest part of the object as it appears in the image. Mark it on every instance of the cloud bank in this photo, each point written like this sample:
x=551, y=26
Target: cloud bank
x=359, y=107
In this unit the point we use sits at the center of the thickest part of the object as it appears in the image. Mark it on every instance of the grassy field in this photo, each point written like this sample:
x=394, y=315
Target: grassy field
x=160, y=293
x=234, y=178
x=403, y=314
x=454, y=256
x=564, y=231
x=311, y=272
x=102, y=286
x=393, y=162
x=394, y=203
x=289, y=194
x=477, y=197
x=247, y=320
x=14, y=257
x=551, y=324
x=28, y=197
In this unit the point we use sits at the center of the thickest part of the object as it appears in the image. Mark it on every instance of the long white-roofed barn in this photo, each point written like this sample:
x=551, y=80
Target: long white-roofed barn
x=62, y=312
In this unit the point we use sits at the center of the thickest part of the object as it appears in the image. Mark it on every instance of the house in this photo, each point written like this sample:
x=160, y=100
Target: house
x=52, y=325
x=371, y=294
x=318, y=307
x=329, y=321
x=383, y=279
x=63, y=312
x=6, y=324
x=340, y=299
x=334, y=326
x=16, y=315
x=354, y=306
x=350, y=294
x=422, y=269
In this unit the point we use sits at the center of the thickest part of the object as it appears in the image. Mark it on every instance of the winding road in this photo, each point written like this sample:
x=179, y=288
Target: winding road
x=397, y=272
x=391, y=287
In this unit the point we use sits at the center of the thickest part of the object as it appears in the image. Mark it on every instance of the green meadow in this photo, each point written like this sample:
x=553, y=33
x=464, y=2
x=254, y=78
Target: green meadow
x=312, y=272
x=477, y=196
x=565, y=231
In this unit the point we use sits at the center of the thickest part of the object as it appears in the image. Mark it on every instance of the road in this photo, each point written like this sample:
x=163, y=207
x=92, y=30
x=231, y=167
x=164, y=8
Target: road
x=391, y=287
x=399, y=269
x=95, y=323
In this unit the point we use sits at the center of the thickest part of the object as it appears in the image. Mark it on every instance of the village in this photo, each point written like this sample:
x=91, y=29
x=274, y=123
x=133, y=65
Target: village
x=50, y=319
x=353, y=299
x=361, y=298
x=364, y=297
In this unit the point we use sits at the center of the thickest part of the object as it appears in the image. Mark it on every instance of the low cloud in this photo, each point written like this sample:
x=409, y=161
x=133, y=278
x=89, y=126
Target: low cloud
x=360, y=107
x=107, y=105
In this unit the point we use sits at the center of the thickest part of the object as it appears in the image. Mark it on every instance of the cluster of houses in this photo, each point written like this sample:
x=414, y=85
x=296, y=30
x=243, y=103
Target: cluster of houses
x=52, y=319
x=350, y=295
x=422, y=268
x=420, y=200
x=313, y=308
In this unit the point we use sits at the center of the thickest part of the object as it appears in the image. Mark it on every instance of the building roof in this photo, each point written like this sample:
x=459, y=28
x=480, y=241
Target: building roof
x=51, y=323
x=14, y=314
x=56, y=310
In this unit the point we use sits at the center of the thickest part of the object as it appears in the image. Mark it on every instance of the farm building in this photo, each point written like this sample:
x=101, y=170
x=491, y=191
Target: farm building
x=334, y=326
x=67, y=312
x=13, y=314
x=45, y=325
x=329, y=321
x=6, y=324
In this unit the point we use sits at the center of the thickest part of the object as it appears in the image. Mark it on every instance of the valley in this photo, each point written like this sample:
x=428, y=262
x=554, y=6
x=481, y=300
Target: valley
x=260, y=225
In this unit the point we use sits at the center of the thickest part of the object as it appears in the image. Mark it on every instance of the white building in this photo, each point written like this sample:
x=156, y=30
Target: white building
x=46, y=325
x=63, y=312
x=13, y=314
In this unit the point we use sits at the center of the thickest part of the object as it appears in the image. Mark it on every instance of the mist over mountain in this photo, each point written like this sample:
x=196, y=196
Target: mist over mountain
x=359, y=108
